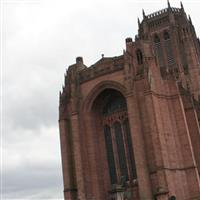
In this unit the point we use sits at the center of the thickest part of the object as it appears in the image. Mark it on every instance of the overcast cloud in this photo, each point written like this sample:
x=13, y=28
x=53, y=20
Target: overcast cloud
x=40, y=38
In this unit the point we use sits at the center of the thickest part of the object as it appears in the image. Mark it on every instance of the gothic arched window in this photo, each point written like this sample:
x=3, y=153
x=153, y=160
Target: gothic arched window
x=117, y=135
x=139, y=57
x=158, y=50
x=168, y=48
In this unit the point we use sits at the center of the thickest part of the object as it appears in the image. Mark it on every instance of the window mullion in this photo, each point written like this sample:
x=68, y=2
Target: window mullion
x=115, y=153
x=127, y=156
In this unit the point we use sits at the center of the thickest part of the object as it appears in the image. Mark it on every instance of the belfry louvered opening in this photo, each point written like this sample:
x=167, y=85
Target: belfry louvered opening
x=168, y=49
x=158, y=50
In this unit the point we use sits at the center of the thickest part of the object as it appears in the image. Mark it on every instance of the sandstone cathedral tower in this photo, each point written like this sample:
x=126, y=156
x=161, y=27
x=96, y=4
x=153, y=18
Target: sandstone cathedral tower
x=130, y=124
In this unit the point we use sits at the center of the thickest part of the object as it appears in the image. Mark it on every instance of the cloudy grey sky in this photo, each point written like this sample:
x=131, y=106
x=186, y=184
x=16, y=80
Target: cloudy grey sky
x=40, y=38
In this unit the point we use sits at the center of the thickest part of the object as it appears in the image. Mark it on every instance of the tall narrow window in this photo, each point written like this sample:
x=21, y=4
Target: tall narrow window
x=158, y=51
x=110, y=154
x=168, y=48
x=130, y=148
x=139, y=57
x=121, y=150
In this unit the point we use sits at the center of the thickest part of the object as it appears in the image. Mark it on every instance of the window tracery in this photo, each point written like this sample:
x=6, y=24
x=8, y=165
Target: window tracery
x=118, y=140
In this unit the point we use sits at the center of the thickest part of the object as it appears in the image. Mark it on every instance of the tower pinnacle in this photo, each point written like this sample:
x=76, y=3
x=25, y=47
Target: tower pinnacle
x=182, y=5
x=143, y=13
x=168, y=3
x=190, y=19
x=138, y=22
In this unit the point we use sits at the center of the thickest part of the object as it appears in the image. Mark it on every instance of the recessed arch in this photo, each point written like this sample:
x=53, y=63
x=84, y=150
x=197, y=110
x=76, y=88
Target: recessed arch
x=107, y=105
x=96, y=90
x=109, y=101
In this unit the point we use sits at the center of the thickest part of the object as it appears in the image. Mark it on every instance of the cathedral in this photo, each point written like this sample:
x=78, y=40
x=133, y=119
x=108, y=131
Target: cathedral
x=130, y=124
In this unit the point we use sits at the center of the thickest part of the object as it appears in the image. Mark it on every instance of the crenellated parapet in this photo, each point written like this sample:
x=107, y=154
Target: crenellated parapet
x=105, y=65
x=164, y=12
x=77, y=74
x=165, y=17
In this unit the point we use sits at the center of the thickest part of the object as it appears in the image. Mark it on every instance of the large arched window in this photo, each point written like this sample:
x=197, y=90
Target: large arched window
x=158, y=50
x=117, y=135
x=168, y=48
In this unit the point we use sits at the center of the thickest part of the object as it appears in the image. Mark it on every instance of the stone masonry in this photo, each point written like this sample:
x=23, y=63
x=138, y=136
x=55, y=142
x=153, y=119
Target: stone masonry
x=157, y=79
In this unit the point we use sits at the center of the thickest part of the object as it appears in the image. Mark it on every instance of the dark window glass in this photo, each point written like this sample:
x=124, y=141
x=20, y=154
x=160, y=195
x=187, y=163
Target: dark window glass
x=130, y=148
x=156, y=39
x=139, y=57
x=114, y=103
x=110, y=155
x=121, y=150
x=166, y=36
